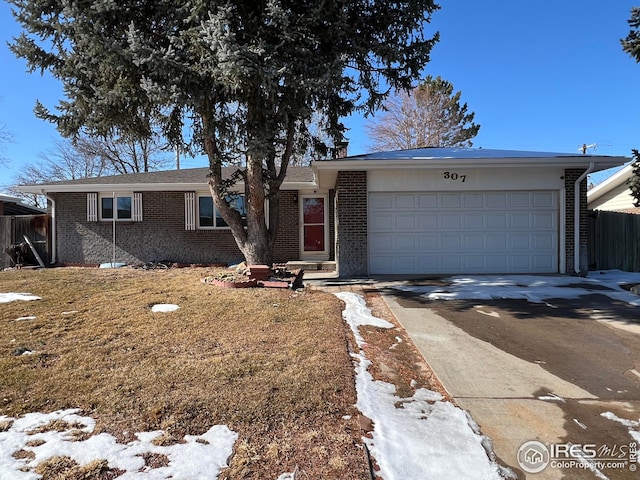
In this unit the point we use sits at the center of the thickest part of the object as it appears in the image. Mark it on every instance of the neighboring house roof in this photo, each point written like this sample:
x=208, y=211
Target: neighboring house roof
x=15, y=206
x=618, y=179
x=168, y=180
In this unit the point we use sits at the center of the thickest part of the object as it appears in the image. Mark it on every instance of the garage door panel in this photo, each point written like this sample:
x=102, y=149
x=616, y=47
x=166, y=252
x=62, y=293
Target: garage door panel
x=428, y=263
x=496, y=220
x=474, y=232
x=519, y=241
x=518, y=200
x=405, y=222
x=473, y=200
x=541, y=263
x=405, y=201
x=427, y=200
x=381, y=222
x=521, y=263
x=381, y=263
x=498, y=263
x=381, y=201
x=450, y=200
x=474, y=242
x=405, y=242
x=497, y=241
x=428, y=242
x=452, y=222
x=405, y=264
x=427, y=221
x=474, y=263
x=543, y=199
x=452, y=263
x=496, y=200
x=520, y=220
x=451, y=242
x=473, y=221
x=543, y=220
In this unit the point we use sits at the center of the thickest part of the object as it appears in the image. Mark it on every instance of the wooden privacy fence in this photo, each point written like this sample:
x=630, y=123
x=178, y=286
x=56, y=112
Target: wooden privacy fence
x=13, y=230
x=614, y=241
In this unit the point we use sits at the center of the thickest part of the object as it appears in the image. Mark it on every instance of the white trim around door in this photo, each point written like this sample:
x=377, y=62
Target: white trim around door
x=314, y=226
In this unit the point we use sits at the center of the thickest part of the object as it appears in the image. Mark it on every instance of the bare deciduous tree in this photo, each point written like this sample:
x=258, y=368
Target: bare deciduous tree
x=86, y=157
x=430, y=115
x=124, y=155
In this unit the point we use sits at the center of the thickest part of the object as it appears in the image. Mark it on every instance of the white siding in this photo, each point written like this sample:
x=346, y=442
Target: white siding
x=617, y=199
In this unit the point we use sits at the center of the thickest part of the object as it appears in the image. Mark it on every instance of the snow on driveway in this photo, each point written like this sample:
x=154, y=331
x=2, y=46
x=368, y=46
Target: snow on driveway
x=534, y=288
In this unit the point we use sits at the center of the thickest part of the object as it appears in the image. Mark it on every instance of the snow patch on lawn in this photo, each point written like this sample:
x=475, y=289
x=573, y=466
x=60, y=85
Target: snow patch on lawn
x=421, y=436
x=13, y=297
x=200, y=456
x=164, y=308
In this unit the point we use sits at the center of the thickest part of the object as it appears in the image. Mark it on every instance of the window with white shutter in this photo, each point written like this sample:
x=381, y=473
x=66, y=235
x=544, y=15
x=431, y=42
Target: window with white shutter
x=136, y=214
x=190, y=211
x=92, y=207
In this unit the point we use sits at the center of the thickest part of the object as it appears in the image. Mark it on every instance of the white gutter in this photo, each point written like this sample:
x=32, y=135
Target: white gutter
x=576, y=218
x=53, y=226
x=146, y=187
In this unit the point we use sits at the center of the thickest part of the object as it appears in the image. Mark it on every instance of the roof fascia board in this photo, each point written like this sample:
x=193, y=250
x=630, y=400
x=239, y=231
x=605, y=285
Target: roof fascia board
x=142, y=187
x=562, y=162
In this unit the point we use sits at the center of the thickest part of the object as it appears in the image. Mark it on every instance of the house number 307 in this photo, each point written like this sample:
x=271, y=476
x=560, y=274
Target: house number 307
x=455, y=177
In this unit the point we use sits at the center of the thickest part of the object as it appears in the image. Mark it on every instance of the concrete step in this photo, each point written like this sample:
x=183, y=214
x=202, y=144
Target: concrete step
x=311, y=265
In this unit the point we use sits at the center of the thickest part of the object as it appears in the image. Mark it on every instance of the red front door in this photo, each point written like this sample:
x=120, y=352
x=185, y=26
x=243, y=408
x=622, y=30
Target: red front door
x=313, y=224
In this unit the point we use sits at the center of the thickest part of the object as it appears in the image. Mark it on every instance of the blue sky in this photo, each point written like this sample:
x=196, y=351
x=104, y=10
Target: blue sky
x=543, y=76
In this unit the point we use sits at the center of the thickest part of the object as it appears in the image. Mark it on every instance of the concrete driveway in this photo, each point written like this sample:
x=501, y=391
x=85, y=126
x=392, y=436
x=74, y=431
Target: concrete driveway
x=564, y=374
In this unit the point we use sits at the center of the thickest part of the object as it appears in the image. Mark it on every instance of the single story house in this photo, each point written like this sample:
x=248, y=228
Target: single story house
x=613, y=194
x=419, y=212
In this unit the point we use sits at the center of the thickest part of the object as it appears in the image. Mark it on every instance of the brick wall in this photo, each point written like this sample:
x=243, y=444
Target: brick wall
x=351, y=224
x=570, y=177
x=160, y=236
x=288, y=236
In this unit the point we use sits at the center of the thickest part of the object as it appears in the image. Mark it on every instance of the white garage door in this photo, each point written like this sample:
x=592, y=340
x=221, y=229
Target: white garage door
x=471, y=232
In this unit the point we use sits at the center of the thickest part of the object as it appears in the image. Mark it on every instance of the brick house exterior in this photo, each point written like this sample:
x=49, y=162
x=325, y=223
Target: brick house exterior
x=423, y=211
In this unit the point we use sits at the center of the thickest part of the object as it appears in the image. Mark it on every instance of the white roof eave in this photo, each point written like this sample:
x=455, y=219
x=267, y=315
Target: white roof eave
x=600, y=163
x=142, y=187
x=610, y=183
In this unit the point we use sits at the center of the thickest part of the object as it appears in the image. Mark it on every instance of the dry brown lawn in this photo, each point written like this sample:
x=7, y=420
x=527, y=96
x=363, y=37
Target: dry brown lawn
x=271, y=364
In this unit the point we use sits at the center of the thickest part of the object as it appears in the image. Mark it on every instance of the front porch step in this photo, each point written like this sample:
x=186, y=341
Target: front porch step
x=311, y=265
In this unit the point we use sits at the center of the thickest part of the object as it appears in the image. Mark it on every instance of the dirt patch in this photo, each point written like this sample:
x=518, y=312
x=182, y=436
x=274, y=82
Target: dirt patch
x=395, y=358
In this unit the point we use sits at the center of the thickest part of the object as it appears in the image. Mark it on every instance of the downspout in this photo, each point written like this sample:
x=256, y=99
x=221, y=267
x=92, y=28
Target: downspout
x=53, y=226
x=576, y=218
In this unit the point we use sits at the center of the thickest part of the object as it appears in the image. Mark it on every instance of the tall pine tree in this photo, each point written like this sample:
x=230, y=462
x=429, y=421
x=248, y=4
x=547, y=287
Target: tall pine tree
x=631, y=45
x=244, y=76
